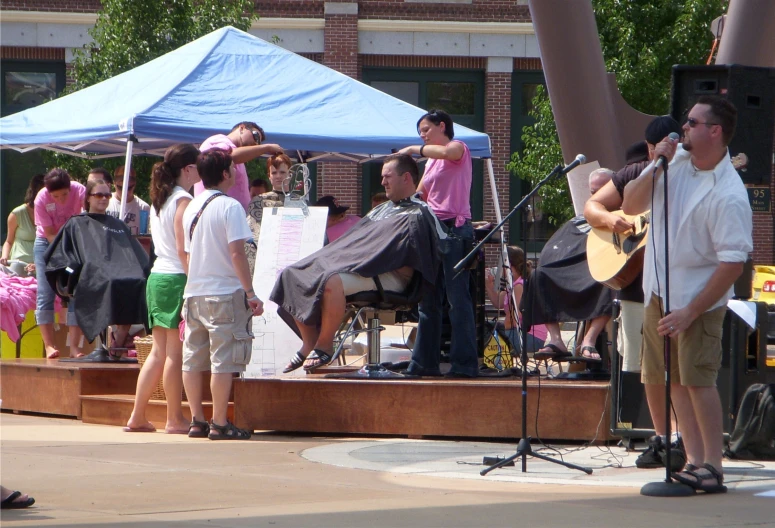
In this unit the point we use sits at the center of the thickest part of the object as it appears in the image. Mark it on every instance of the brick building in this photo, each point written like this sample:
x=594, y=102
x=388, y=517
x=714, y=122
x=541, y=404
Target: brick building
x=477, y=59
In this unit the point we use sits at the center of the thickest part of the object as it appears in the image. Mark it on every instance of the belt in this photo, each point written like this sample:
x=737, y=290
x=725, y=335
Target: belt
x=451, y=222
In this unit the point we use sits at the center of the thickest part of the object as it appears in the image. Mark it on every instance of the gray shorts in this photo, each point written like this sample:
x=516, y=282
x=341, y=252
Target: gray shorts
x=218, y=333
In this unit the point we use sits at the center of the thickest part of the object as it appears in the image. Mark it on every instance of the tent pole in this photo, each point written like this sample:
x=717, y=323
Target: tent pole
x=127, y=169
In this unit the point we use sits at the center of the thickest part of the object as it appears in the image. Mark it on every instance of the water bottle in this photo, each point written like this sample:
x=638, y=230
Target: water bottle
x=143, y=222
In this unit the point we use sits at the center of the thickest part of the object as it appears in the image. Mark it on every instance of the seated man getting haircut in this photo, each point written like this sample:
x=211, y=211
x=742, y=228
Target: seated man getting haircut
x=394, y=241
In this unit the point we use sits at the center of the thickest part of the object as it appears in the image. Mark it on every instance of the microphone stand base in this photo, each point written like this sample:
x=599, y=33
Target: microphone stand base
x=666, y=489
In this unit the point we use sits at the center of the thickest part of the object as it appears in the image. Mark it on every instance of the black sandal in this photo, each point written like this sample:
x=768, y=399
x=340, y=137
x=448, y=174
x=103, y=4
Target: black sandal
x=296, y=361
x=228, y=432
x=11, y=502
x=713, y=482
x=204, y=429
x=323, y=359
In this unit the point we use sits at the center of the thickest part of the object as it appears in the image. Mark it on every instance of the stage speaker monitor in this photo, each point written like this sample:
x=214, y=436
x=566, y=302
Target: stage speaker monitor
x=752, y=91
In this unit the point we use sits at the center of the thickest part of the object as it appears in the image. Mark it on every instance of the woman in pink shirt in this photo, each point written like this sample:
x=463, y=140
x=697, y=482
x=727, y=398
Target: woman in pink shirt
x=502, y=299
x=446, y=187
x=59, y=199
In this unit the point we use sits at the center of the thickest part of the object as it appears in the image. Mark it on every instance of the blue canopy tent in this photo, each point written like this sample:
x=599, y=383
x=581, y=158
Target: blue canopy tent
x=205, y=87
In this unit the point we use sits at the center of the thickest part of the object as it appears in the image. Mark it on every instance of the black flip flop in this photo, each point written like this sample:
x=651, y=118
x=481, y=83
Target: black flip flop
x=591, y=350
x=10, y=502
x=556, y=353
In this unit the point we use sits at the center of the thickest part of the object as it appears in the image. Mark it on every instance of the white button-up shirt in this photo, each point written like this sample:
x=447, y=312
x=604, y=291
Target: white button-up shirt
x=710, y=222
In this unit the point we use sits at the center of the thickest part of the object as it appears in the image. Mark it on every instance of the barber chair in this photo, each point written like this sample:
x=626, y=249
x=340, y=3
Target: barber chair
x=367, y=305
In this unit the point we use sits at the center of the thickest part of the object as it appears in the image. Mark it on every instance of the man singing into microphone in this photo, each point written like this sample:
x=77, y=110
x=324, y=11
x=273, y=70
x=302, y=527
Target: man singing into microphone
x=710, y=224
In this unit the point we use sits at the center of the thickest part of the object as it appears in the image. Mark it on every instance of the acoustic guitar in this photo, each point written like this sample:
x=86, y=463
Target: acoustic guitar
x=615, y=259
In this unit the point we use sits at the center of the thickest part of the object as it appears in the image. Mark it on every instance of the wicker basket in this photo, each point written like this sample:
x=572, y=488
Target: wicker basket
x=144, y=346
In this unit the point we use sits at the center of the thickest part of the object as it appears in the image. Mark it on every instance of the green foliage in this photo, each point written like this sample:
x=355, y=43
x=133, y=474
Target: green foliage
x=641, y=41
x=129, y=33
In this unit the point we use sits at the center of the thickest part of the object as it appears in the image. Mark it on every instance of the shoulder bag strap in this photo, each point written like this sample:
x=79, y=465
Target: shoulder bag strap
x=199, y=214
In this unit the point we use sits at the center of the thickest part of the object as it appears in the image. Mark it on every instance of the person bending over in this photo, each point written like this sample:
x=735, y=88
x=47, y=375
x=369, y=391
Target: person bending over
x=393, y=242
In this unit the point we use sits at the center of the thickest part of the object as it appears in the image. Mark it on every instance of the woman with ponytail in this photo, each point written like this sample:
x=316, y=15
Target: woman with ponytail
x=171, y=181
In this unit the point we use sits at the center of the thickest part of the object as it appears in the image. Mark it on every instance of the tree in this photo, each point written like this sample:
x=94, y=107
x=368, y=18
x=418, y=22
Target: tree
x=129, y=33
x=641, y=40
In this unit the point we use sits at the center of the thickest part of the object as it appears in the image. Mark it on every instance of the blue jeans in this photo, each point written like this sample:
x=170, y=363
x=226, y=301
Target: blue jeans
x=463, y=355
x=44, y=302
x=533, y=343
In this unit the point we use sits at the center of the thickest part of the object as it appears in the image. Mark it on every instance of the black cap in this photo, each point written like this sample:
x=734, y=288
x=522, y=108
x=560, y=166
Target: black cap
x=333, y=207
x=661, y=127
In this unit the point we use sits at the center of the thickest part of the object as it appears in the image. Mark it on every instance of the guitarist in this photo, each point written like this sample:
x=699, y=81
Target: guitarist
x=597, y=212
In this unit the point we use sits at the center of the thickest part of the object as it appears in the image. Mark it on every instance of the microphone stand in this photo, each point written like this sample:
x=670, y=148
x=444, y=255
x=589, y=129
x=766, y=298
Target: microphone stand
x=524, y=448
x=667, y=487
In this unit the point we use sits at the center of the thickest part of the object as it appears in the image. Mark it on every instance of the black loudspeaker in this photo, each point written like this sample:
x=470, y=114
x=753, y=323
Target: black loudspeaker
x=743, y=363
x=752, y=91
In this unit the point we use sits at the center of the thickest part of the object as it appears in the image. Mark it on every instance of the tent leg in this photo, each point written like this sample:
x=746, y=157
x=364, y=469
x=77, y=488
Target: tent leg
x=127, y=169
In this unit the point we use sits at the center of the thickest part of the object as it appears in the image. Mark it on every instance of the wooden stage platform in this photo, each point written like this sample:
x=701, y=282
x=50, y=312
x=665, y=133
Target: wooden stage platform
x=482, y=408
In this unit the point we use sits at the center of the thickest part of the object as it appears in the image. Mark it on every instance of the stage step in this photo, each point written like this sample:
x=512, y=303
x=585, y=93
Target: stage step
x=53, y=387
x=115, y=409
x=483, y=408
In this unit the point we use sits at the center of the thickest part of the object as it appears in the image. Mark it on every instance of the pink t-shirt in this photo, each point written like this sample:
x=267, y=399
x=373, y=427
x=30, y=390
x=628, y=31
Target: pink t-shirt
x=241, y=189
x=539, y=331
x=447, y=187
x=49, y=213
x=337, y=230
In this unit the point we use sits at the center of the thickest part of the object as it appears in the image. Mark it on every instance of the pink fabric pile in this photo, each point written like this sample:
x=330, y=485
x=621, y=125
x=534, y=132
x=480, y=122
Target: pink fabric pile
x=17, y=297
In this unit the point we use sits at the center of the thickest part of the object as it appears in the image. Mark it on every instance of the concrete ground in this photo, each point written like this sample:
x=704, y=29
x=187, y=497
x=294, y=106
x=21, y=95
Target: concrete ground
x=94, y=476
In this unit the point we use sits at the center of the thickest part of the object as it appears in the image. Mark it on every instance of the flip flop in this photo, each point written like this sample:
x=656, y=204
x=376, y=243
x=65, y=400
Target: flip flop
x=10, y=502
x=143, y=429
x=322, y=359
x=176, y=431
x=586, y=354
x=554, y=352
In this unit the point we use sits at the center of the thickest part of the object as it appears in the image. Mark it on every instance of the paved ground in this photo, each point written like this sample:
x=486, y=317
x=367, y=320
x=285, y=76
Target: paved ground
x=89, y=475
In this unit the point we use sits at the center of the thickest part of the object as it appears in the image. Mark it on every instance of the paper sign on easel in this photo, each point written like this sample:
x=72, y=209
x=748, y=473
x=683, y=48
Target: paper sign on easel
x=287, y=236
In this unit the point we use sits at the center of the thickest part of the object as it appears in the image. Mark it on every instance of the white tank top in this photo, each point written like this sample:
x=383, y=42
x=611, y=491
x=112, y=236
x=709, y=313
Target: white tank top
x=163, y=234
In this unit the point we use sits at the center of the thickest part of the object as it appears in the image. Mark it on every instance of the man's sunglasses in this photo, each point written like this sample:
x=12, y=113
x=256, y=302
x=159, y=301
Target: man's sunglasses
x=256, y=136
x=131, y=186
x=100, y=195
x=693, y=123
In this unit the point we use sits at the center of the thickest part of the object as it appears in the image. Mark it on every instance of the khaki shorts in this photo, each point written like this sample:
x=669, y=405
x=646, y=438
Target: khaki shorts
x=695, y=354
x=218, y=333
x=391, y=281
x=630, y=335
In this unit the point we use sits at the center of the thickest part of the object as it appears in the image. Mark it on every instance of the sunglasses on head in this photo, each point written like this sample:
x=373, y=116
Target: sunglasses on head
x=100, y=195
x=693, y=122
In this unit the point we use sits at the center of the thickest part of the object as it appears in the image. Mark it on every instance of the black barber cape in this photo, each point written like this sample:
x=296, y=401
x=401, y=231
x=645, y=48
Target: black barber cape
x=561, y=289
x=95, y=260
x=390, y=236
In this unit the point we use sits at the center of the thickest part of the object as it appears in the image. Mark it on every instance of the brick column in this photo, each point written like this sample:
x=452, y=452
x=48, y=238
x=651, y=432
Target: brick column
x=342, y=180
x=497, y=123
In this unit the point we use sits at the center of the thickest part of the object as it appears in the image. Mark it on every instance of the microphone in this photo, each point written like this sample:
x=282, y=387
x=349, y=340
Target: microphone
x=663, y=160
x=580, y=160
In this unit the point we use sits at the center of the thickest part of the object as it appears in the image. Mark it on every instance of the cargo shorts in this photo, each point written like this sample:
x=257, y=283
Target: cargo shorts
x=218, y=334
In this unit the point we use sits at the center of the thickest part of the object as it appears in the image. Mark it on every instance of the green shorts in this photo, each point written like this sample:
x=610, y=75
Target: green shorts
x=164, y=295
